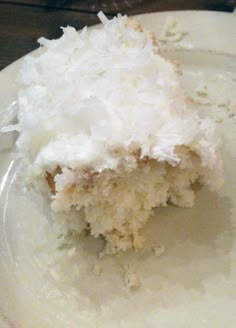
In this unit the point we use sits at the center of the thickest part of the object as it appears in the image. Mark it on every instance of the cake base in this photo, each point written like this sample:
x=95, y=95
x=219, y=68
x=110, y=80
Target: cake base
x=117, y=204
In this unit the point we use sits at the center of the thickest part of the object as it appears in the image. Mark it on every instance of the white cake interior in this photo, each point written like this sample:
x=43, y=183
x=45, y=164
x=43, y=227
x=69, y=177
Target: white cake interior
x=117, y=204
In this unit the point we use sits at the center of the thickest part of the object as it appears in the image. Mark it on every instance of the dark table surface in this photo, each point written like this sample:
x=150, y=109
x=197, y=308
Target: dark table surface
x=22, y=22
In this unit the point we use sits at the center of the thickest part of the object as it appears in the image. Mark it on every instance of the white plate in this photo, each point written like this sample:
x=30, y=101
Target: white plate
x=192, y=285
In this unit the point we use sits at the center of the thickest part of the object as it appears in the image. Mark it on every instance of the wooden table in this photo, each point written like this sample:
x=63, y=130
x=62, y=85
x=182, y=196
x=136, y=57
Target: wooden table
x=22, y=22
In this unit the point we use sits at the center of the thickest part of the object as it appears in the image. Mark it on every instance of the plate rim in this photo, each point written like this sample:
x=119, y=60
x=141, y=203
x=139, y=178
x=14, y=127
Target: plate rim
x=11, y=70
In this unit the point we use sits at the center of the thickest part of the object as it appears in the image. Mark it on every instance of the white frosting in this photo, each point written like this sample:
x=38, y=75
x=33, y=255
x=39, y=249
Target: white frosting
x=94, y=91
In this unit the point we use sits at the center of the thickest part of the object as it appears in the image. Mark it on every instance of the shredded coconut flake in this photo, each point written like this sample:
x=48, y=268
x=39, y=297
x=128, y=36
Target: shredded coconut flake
x=102, y=17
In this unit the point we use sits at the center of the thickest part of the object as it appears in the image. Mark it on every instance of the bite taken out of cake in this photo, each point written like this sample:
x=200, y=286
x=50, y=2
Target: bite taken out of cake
x=104, y=128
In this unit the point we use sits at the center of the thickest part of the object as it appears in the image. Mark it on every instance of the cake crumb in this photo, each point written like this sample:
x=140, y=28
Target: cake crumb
x=202, y=90
x=71, y=252
x=97, y=269
x=172, y=31
x=101, y=254
x=231, y=105
x=219, y=120
x=200, y=95
x=159, y=250
x=222, y=105
x=54, y=274
x=131, y=279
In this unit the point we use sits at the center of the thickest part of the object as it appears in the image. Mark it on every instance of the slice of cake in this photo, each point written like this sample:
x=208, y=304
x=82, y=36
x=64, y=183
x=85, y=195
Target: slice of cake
x=105, y=128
